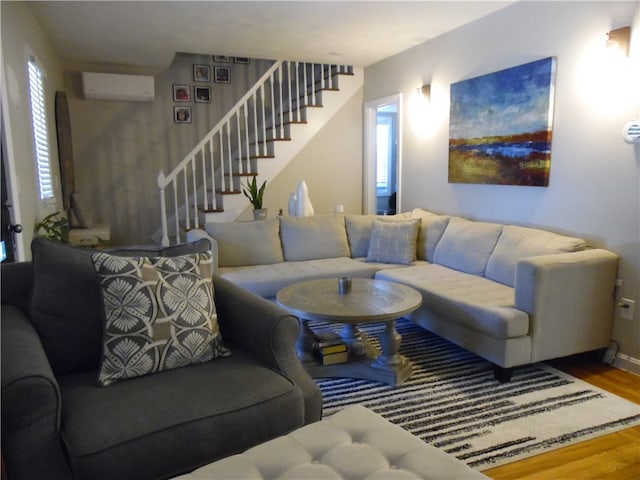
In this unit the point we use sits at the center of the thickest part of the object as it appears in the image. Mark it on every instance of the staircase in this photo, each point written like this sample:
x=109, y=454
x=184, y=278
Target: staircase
x=265, y=130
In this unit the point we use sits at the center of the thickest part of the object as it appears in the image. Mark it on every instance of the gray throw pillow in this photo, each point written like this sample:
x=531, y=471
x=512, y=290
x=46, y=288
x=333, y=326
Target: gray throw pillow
x=393, y=242
x=159, y=314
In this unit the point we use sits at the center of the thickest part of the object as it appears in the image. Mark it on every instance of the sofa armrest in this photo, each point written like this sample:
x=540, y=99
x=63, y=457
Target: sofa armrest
x=196, y=234
x=569, y=298
x=269, y=333
x=31, y=403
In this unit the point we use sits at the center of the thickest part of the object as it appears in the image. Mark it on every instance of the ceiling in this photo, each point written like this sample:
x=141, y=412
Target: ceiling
x=150, y=33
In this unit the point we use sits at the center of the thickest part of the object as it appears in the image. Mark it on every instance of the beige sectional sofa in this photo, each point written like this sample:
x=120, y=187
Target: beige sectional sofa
x=513, y=295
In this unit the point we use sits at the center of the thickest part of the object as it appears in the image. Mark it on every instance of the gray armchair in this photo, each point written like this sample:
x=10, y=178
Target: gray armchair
x=58, y=423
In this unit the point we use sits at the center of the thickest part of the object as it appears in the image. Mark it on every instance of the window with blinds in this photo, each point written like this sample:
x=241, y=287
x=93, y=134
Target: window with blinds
x=40, y=131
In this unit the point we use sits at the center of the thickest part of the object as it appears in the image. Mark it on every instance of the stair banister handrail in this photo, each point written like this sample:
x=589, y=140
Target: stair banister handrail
x=165, y=180
x=171, y=176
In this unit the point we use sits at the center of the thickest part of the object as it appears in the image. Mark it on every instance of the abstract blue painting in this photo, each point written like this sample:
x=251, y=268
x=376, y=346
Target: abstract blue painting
x=500, y=127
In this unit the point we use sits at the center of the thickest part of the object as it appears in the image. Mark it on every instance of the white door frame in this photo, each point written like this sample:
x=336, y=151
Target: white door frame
x=369, y=167
x=13, y=186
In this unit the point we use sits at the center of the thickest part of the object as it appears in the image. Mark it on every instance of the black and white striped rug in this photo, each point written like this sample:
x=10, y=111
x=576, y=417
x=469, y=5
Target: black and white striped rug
x=453, y=402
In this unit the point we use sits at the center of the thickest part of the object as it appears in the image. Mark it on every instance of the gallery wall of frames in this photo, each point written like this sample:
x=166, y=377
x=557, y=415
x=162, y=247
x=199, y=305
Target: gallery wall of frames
x=200, y=90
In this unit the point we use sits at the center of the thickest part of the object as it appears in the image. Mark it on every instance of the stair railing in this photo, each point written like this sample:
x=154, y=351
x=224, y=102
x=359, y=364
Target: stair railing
x=230, y=149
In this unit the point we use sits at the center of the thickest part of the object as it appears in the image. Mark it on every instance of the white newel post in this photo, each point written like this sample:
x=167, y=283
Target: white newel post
x=163, y=210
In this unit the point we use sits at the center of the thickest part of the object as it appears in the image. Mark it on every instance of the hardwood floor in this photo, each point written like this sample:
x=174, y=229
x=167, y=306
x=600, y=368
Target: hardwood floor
x=611, y=457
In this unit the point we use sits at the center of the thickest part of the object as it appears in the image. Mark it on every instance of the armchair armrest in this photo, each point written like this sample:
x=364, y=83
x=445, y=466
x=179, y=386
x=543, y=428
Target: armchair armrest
x=31, y=403
x=196, y=234
x=269, y=333
x=569, y=299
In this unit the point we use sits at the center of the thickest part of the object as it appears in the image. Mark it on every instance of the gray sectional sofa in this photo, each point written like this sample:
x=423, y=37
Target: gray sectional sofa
x=513, y=295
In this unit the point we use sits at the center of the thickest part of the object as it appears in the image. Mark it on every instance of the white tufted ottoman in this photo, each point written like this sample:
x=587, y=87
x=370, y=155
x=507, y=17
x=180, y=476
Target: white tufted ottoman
x=355, y=443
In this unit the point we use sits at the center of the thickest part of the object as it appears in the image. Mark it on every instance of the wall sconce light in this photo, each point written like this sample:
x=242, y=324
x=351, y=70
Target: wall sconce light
x=425, y=92
x=619, y=39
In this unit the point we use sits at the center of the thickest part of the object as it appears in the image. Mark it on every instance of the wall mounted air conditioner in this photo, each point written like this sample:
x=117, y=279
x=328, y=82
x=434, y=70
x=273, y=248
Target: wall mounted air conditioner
x=112, y=86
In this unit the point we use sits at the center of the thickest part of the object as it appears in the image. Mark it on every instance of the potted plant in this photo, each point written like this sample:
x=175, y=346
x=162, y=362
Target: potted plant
x=255, y=195
x=53, y=226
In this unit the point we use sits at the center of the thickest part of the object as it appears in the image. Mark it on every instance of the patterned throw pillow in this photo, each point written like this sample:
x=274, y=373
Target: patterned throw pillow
x=393, y=242
x=159, y=314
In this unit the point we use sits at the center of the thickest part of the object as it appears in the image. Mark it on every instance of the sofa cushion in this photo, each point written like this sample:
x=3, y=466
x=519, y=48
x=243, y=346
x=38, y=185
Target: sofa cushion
x=247, y=243
x=431, y=229
x=359, y=230
x=158, y=314
x=359, y=233
x=175, y=420
x=266, y=280
x=466, y=245
x=516, y=243
x=476, y=302
x=393, y=242
x=310, y=238
x=65, y=303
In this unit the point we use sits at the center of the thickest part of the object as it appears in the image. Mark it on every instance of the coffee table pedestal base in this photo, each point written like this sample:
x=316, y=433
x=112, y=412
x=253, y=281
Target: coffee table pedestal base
x=387, y=366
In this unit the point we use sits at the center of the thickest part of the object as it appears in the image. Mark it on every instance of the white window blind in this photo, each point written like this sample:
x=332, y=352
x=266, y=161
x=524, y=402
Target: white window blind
x=40, y=131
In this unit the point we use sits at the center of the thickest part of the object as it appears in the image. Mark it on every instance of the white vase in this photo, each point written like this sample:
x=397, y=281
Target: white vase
x=303, y=204
x=292, y=205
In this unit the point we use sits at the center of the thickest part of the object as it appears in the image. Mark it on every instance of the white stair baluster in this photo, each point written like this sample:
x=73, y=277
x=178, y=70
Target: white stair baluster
x=175, y=210
x=241, y=167
x=229, y=156
x=280, y=95
x=222, y=165
x=214, y=202
x=205, y=203
x=256, y=139
x=195, y=193
x=276, y=133
x=264, y=121
x=163, y=209
x=246, y=134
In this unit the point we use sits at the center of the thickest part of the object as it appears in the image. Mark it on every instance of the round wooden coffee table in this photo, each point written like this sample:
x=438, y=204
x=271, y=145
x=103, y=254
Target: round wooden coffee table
x=369, y=301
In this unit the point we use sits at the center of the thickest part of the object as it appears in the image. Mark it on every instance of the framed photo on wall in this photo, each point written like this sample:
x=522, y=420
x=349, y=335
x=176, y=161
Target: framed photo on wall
x=181, y=93
x=222, y=58
x=201, y=73
x=202, y=94
x=244, y=60
x=181, y=114
x=222, y=75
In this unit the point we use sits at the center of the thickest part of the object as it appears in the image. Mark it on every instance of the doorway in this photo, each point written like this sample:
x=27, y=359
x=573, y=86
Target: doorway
x=382, y=152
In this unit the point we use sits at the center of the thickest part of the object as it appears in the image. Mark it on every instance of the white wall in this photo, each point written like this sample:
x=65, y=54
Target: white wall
x=594, y=181
x=22, y=33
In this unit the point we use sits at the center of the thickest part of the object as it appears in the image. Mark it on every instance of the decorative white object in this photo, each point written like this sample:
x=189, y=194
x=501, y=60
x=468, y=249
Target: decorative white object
x=303, y=203
x=292, y=205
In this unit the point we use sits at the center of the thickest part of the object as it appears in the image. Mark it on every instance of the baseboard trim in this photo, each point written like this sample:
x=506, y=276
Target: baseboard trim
x=625, y=362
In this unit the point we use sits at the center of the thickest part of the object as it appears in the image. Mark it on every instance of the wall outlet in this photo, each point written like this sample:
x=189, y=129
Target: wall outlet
x=627, y=308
